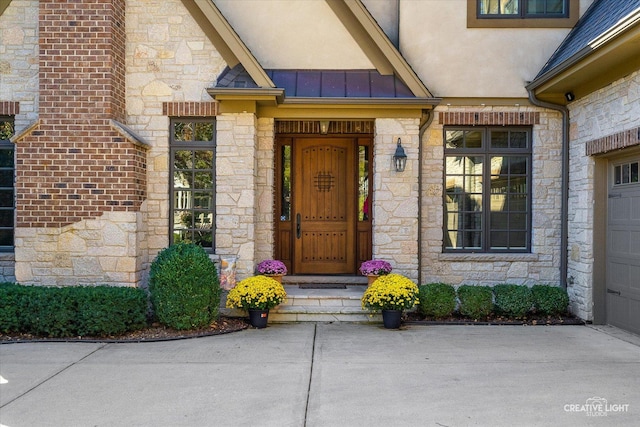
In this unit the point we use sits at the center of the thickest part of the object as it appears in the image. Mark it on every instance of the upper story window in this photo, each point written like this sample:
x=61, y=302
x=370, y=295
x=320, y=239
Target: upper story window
x=522, y=13
x=487, y=200
x=523, y=8
x=193, y=185
x=7, y=186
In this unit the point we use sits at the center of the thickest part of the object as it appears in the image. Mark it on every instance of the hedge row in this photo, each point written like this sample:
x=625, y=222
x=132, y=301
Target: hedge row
x=441, y=300
x=183, y=290
x=71, y=311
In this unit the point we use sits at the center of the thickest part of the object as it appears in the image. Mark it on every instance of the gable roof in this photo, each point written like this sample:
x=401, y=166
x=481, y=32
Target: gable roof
x=602, y=46
x=391, y=68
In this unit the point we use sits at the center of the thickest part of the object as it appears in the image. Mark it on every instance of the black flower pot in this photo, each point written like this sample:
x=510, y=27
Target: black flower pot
x=391, y=318
x=258, y=318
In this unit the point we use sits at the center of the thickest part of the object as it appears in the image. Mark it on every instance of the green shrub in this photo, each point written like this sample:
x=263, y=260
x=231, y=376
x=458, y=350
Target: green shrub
x=51, y=312
x=513, y=300
x=12, y=307
x=107, y=310
x=550, y=300
x=71, y=311
x=437, y=299
x=184, y=287
x=475, y=301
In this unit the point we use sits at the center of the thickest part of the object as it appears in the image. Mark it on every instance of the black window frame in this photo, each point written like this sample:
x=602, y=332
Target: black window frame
x=195, y=145
x=8, y=168
x=486, y=151
x=523, y=12
x=475, y=19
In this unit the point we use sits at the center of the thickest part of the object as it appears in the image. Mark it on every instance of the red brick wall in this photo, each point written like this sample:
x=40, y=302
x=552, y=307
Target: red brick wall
x=75, y=165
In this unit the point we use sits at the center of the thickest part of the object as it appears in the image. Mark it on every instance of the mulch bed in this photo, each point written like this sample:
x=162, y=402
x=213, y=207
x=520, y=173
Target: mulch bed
x=456, y=319
x=153, y=333
x=226, y=325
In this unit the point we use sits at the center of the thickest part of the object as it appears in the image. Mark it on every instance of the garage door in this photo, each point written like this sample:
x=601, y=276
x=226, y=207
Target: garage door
x=623, y=247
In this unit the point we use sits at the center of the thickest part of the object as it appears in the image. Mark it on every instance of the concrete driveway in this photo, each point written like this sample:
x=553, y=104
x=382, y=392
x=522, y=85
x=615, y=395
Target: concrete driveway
x=331, y=374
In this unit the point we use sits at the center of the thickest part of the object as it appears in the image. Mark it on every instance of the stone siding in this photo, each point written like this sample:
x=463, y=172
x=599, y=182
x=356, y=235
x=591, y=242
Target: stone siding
x=236, y=189
x=395, y=196
x=170, y=62
x=265, y=180
x=19, y=64
x=101, y=251
x=543, y=263
x=610, y=110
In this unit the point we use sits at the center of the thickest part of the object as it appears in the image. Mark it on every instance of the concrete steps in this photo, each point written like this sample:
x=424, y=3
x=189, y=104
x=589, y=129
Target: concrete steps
x=321, y=299
x=323, y=305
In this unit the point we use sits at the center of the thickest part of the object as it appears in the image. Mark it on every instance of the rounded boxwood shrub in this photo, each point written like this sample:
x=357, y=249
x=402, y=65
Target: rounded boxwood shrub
x=437, y=299
x=476, y=302
x=513, y=300
x=549, y=300
x=184, y=287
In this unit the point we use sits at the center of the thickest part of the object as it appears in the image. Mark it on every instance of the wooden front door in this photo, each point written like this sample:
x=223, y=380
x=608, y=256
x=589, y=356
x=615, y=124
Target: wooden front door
x=323, y=211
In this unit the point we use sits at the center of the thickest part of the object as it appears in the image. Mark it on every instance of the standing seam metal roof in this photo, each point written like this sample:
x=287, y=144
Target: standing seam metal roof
x=323, y=83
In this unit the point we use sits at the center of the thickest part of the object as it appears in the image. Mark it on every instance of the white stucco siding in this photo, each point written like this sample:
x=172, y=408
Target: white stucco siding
x=287, y=34
x=455, y=61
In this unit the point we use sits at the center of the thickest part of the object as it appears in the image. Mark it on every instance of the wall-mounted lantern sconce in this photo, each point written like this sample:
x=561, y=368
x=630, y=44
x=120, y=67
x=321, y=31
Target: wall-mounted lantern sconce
x=324, y=126
x=569, y=96
x=399, y=158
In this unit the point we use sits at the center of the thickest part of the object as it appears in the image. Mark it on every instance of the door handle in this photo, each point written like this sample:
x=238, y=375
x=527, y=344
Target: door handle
x=298, y=226
x=611, y=291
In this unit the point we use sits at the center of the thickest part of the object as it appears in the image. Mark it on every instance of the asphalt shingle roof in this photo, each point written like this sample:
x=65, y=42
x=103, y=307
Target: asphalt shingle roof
x=601, y=16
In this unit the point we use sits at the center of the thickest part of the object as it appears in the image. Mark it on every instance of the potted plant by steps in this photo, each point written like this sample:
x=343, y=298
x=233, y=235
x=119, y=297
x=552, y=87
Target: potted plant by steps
x=272, y=268
x=391, y=294
x=375, y=268
x=257, y=295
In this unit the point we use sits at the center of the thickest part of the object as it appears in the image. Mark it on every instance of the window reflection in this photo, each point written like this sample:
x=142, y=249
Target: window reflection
x=487, y=198
x=193, y=196
x=364, y=203
x=285, y=203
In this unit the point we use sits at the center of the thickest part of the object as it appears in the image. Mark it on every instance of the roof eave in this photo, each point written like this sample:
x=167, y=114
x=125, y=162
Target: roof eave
x=608, y=57
x=226, y=40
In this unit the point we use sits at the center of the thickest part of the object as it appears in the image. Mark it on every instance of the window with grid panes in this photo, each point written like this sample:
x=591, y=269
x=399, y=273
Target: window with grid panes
x=523, y=8
x=192, y=186
x=7, y=184
x=487, y=200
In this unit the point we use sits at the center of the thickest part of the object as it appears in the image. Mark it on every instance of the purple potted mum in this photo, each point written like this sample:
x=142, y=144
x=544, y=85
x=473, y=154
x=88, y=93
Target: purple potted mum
x=271, y=267
x=375, y=267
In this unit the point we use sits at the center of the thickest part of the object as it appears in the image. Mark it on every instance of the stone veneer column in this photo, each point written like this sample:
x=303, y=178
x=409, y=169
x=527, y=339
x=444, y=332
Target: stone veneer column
x=265, y=181
x=236, y=184
x=395, y=196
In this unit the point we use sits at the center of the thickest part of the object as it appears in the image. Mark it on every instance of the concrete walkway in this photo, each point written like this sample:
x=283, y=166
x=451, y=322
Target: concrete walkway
x=331, y=374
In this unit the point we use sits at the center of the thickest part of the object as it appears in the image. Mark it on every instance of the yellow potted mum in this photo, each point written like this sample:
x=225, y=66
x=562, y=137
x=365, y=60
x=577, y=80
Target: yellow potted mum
x=257, y=295
x=391, y=294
